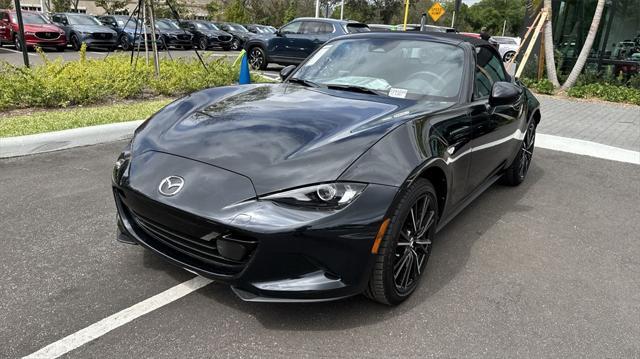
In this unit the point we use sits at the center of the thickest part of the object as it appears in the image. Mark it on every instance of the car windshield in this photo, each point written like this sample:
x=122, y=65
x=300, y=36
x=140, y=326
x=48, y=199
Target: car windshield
x=30, y=18
x=205, y=26
x=82, y=20
x=413, y=69
x=237, y=27
x=166, y=25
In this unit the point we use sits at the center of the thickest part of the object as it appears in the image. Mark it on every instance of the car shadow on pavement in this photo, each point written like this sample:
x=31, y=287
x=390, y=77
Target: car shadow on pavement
x=450, y=254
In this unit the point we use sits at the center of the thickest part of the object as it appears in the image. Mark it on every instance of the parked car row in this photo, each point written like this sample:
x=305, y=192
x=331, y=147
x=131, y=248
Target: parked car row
x=121, y=31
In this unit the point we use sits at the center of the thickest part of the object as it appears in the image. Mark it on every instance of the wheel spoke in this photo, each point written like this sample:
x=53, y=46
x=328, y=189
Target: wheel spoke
x=407, y=271
x=399, y=264
x=425, y=205
x=428, y=225
x=417, y=263
x=413, y=220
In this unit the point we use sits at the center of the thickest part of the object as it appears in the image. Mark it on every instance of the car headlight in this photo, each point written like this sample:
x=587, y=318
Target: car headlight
x=324, y=195
x=29, y=33
x=122, y=163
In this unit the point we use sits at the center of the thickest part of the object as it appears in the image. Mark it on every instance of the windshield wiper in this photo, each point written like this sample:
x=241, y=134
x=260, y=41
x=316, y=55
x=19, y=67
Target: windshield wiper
x=303, y=82
x=353, y=88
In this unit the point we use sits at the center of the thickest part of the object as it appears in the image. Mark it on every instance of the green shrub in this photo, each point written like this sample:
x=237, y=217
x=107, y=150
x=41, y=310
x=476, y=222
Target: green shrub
x=543, y=86
x=606, y=92
x=89, y=81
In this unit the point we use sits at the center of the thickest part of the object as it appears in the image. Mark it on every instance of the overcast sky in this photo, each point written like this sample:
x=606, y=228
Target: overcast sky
x=470, y=2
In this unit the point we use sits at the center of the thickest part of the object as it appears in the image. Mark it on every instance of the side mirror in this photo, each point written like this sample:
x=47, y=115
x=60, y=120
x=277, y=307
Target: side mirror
x=279, y=33
x=504, y=93
x=284, y=73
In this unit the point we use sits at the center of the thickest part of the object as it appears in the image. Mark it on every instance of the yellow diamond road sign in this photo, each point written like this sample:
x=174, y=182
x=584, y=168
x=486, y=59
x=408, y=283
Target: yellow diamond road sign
x=436, y=11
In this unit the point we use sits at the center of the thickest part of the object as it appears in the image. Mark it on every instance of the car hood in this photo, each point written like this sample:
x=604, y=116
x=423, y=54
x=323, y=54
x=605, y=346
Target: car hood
x=279, y=136
x=173, y=32
x=215, y=33
x=93, y=29
x=41, y=27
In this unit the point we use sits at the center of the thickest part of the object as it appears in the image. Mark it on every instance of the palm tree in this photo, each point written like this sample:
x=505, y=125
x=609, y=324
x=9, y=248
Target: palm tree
x=586, y=48
x=548, y=47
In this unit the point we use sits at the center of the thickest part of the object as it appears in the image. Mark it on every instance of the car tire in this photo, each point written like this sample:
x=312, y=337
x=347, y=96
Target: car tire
x=257, y=58
x=16, y=43
x=235, y=44
x=508, y=56
x=75, y=42
x=517, y=172
x=124, y=43
x=203, y=43
x=401, y=256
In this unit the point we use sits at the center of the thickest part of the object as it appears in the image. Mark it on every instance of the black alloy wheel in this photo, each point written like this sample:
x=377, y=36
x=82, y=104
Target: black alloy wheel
x=125, y=43
x=516, y=173
x=203, y=43
x=75, y=42
x=405, y=248
x=257, y=58
x=235, y=44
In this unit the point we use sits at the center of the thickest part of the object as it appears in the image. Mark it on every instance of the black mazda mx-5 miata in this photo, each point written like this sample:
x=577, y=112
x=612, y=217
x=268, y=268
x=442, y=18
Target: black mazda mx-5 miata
x=335, y=181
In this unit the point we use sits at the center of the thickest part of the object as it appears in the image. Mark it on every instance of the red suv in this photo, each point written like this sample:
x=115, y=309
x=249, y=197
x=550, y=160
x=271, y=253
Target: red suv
x=37, y=30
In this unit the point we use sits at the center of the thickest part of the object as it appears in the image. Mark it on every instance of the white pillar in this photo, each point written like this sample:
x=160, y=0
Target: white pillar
x=342, y=10
x=317, y=8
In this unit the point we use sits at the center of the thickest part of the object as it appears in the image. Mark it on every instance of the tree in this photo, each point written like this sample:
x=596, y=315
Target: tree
x=61, y=5
x=236, y=11
x=548, y=48
x=6, y=4
x=290, y=13
x=586, y=48
x=110, y=6
x=162, y=9
x=213, y=10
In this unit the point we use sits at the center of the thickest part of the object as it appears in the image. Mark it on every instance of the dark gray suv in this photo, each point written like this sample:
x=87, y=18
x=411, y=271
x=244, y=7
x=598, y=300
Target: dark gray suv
x=81, y=28
x=293, y=42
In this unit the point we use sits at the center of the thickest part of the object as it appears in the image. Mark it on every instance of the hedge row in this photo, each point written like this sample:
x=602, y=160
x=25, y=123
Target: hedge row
x=89, y=81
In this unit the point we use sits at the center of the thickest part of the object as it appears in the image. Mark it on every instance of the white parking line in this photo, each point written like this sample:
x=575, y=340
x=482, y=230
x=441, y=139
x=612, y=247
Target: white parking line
x=121, y=318
x=587, y=148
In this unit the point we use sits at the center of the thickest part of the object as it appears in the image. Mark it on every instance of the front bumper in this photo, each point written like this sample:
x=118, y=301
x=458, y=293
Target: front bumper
x=95, y=42
x=35, y=41
x=178, y=41
x=289, y=254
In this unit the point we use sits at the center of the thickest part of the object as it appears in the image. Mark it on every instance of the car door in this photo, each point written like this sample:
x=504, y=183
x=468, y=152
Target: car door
x=279, y=45
x=5, y=29
x=496, y=130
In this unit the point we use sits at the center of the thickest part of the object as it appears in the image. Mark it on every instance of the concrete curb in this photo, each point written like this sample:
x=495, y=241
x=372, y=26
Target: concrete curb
x=60, y=140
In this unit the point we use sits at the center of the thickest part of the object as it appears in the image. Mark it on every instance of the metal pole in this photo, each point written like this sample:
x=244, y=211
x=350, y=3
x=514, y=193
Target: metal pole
x=453, y=19
x=144, y=30
x=317, y=8
x=406, y=15
x=504, y=26
x=23, y=44
x=342, y=10
x=154, y=44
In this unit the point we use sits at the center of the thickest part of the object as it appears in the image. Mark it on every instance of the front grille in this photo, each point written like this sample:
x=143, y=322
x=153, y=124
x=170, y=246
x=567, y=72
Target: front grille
x=48, y=35
x=102, y=36
x=221, y=251
x=224, y=38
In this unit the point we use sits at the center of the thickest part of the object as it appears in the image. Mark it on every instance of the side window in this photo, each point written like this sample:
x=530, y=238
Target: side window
x=292, y=28
x=325, y=28
x=309, y=27
x=489, y=70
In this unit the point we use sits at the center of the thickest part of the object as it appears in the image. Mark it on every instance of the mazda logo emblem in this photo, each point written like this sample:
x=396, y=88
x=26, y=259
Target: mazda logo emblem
x=171, y=185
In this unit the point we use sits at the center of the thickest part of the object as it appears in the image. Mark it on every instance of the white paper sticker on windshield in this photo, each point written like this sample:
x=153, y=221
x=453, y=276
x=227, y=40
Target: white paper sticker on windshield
x=399, y=93
x=318, y=55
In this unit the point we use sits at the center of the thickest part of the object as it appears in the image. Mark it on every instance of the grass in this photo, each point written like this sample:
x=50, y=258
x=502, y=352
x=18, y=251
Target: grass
x=56, y=120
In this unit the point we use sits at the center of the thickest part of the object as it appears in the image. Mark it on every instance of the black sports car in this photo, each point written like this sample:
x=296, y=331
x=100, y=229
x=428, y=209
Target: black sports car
x=334, y=182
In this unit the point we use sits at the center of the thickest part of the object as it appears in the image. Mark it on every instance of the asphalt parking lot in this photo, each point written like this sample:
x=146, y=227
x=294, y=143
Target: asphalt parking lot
x=547, y=269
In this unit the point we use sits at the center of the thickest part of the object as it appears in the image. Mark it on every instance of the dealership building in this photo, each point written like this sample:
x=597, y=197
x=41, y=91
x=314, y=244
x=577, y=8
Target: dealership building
x=617, y=44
